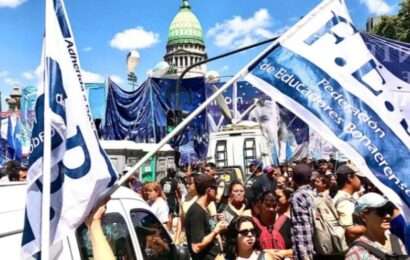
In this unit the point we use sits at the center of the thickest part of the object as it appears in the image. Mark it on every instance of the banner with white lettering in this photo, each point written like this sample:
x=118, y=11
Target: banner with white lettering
x=322, y=71
x=80, y=169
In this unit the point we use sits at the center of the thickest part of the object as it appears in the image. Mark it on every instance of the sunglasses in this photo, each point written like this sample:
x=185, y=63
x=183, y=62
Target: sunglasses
x=245, y=232
x=383, y=211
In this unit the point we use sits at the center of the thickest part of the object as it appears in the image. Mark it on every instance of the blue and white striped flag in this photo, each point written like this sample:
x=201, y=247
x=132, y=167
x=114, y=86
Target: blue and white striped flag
x=80, y=170
x=323, y=72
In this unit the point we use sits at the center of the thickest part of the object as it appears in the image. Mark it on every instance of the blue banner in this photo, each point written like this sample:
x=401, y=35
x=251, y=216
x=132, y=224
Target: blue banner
x=141, y=115
x=344, y=96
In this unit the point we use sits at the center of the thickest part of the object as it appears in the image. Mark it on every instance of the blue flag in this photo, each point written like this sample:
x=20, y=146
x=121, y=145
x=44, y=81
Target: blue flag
x=346, y=96
x=10, y=139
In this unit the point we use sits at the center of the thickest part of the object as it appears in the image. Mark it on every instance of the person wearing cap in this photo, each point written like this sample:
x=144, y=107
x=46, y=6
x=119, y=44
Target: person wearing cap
x=266, y=181
x=301, y=213
x=202, y=233
x=255, y=170
x=375, y=211
x=348, y=182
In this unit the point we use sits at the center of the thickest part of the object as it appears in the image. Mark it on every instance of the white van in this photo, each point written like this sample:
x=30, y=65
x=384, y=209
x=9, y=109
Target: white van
x=126, y=153
x=238, y=145
x=129, y=225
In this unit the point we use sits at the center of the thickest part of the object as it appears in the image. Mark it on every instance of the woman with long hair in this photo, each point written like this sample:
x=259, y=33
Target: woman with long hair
x=241, y=240
x=282, y=219
x=153, y=195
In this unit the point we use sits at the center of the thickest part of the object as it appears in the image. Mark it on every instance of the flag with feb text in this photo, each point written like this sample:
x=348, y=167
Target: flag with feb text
x=80, y=169
x=322, y=70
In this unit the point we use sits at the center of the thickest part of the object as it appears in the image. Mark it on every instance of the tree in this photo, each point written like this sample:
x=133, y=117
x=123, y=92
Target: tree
x=397, y=26
x=403, y=17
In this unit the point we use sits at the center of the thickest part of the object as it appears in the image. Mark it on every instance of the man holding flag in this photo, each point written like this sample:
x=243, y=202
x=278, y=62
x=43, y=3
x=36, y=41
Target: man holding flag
x=68, y=170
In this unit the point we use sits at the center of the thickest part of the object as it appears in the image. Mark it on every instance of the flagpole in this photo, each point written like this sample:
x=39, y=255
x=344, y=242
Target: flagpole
x=45, y=205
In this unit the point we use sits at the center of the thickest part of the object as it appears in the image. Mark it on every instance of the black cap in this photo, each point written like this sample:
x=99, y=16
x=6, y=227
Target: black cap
x=346, y=169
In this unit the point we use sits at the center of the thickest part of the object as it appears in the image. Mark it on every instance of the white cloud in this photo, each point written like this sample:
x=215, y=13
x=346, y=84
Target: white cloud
x=240, y=31
x=11, y=3
x=11, y=81
x=134, y=38
x=377, y=7
x=28, y=75
x=3, y=73
x=91, y=77
x=117, y=79
x=87, y=49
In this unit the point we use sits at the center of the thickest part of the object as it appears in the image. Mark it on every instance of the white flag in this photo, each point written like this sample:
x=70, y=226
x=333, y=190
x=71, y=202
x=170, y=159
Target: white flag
x=80, y=170
x=322, y=70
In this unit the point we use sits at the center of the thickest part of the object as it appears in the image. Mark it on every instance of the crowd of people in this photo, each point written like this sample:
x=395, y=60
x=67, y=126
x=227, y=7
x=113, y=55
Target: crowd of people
x=305, y=210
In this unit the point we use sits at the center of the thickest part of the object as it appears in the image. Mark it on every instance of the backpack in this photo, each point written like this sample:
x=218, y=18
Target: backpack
x=328, y=234
x=269, y=239
x=395, y=244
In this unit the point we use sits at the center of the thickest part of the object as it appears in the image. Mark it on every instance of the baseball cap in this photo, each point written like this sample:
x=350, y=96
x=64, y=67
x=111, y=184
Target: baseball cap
x=371, y=200
x=257, y=163
x=268, y=169
x=349, y=169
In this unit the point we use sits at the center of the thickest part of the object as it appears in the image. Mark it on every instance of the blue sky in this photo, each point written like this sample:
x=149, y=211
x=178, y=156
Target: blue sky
x=227, y=24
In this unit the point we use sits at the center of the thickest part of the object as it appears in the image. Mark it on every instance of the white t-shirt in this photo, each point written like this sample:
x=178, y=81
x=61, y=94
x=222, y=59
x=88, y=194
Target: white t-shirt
x=253, y=256
x=160, y=209
x=344, y=204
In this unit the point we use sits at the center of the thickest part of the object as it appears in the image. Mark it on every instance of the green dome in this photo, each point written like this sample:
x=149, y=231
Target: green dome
x=185, y=28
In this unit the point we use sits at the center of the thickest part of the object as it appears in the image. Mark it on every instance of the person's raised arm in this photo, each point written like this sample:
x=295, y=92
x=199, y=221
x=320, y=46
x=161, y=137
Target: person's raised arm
x=100, y=246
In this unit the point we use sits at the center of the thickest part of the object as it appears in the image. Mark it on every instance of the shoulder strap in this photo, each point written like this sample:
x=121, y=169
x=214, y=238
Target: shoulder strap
x=261, y=256
x=258, y=224
x=372, y=250
x=279, y=222
x=395, y=245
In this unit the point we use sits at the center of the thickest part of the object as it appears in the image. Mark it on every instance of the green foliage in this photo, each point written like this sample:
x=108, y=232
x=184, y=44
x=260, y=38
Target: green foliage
x=397, y=26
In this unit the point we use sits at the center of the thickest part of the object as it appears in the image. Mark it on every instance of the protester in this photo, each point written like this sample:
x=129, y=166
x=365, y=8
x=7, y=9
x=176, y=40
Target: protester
x=188, y=200
x=269, y=238
x=202, y=233
x=100, y=247
x=377, y=242
x=301, y=205
x=282, y=182
x=153, y=195
x=321, y=185
x=348, y=182
x=236, y=202
x=169, y=185
x=12, y=170
x=135, y=184
x=241, y=242
x=264, y=182
x=255, y=170
x=283, y=217
x=210, y=169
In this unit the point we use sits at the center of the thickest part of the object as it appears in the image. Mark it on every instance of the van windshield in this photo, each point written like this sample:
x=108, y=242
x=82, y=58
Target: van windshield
x=153, y=238
x=116, y=232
